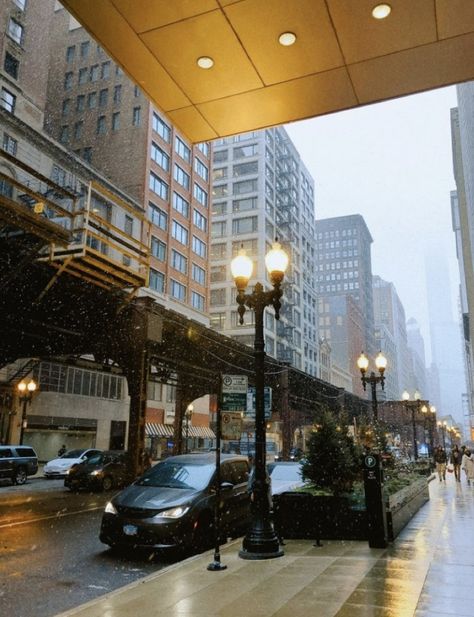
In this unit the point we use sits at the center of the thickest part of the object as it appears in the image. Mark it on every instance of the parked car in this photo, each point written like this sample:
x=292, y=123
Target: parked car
x=102, y=471
x=295, y=454
x=58, y=467
x=172, y=504
x=17, y=463
x=285, y=476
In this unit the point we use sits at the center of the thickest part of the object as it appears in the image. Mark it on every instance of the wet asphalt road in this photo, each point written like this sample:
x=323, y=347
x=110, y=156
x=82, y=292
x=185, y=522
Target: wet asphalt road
x=51, y=558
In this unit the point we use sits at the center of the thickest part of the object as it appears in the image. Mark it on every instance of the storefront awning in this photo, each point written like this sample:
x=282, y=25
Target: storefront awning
x=153, y=429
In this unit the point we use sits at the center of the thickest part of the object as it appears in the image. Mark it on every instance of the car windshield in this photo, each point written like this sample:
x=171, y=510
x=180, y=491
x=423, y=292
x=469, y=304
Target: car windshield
x=178, y=475
x=97, y=459
x=285, y=472
x=73, y=454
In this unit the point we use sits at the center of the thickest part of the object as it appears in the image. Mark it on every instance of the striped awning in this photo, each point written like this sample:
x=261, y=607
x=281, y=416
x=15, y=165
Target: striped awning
x=152, y=429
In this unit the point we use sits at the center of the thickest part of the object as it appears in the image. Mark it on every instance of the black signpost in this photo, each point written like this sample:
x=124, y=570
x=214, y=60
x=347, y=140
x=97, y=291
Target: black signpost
x=216, y=565
x=374, y=500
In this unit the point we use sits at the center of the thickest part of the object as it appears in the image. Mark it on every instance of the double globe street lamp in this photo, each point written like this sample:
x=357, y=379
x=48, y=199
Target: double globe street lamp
x=414, y=406
x=261, y=541
x=442, y=425
x=373, y=379
x=25, y=395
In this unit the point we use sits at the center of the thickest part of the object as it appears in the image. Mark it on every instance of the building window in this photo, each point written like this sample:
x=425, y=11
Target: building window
x=80, y=102
x=83, y=73
x=20, y=4
x=70, y=53
x=246, y=225
x=218, y=321
x=87, y=154
x=219, y=173
x=64, y=134
x=199, y=274
x=245, y=151
x=199, y=247
x=155, y=391
x=180, y=204
x=85, y=47
x=179, y=233
x=136, y=116
x=8, y=100
x=182, y=149
x=10, y=145
x=103, y=97
x=219, y=208
x=158, y=249
x=197, y=301
x=158, y=186
x=199, y=220
x=157, y=280
x=101, y=125
x=105, y=70
x=160, y=127
x=158, y=217
x=11, y=65
x=241, y=205
x=118, y=71
x=136, y=92
x=219, y=274
x=218, y=297
x=181, y=177
x=200, y=195
x=219, y=229
x=218, y=251
x=160, y=157
x=92, y=100
x=94, y=72
x=244, y=169
x=247, y=186
x=178, y=291
x=116, y=121
x=66, y=107
x=128, y=226
x=201, y=169
x=221, y=156
x=68, y=77
x=204, y=148
x=117, y=95
x=78, y=126
x=15, y=31
x=179, y=262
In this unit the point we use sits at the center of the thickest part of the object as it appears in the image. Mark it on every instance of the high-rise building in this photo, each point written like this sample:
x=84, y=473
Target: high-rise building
x=389, y=311
x=344, y=269
x=97, y=112
x=416, y=350
x=262, y=191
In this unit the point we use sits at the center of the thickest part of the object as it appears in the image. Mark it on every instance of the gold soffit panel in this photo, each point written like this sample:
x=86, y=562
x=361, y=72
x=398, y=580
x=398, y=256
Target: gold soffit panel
x=342, y=56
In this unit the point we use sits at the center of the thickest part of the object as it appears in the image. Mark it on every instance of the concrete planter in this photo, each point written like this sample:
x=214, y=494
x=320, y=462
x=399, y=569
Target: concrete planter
x=404, y=504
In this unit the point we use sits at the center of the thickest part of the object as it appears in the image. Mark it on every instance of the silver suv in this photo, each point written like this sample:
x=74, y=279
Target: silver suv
x=17, y=463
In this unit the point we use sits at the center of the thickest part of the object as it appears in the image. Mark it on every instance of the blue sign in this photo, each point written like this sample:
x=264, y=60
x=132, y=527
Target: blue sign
x=251, y=403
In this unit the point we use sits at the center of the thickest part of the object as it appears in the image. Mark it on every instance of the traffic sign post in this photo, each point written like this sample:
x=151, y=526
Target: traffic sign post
x=234, y=392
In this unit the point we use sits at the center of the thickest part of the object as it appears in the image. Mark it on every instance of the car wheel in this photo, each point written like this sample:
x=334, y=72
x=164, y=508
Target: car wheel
x=203, y=532
x=107, y=483
x=19, y=476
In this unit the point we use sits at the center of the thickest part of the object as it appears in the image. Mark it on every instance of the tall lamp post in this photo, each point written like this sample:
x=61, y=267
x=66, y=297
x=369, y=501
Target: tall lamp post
x=25, y=395
x=188, y=415
x=373, y=379
x=442, y=426
x=430, y=419
x=414, y=406
x=261, y=541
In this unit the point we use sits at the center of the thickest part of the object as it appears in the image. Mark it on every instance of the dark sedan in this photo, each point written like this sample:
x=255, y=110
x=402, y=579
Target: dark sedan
x=102, y=471
x=172, y=504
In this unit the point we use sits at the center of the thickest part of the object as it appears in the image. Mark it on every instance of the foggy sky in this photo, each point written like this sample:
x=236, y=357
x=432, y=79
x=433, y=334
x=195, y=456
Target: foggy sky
x=391, y=163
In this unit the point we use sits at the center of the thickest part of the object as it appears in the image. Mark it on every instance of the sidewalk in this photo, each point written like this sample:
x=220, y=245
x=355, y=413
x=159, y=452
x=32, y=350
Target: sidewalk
x=427, y=572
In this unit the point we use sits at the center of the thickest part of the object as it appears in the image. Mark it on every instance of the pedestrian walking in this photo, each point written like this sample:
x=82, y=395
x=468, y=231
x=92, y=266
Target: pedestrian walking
x=456, y=460
x=440, y=460
x=467, y=464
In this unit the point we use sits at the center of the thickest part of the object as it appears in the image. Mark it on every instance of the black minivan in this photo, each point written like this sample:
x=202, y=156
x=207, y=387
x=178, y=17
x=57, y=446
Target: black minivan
x=172, y=504
x=17, y=463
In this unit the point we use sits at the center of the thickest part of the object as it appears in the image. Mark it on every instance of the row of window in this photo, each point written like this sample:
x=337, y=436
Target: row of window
x=241, y=152
x=92, y=100
x=161, y=188
x=244, y=225
x=336, y=233
x=84, y=49
x=160, y=218
x=177, y=290
x=54, y=377
x=101, y=127
x=338, y=287
x=164, y=131
x=88, y=74
x=334, y=244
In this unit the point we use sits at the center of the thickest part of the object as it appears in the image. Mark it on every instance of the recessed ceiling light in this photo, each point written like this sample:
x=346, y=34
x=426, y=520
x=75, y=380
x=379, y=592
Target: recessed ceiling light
x=381, y=11
x=205, y=62
x=287, y=38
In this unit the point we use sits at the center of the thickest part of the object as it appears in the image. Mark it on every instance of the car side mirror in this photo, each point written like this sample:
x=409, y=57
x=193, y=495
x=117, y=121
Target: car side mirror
x=226, y=486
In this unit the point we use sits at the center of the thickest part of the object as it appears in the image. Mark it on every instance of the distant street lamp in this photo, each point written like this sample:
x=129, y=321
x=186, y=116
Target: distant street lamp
x=188, y=415
x=414, y=406
x=430, y=419
x=25, y=395
x=443, y=426
x=373, y=379
x=261, y=541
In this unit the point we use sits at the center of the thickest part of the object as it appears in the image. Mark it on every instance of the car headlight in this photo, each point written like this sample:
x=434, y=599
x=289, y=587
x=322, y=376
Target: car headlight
x=96, y=472
x=177, y=512
x=110, y=508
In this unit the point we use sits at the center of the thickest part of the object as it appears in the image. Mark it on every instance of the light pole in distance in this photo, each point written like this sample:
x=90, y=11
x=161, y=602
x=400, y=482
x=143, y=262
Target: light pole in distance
x=25, y=395
x=414, y=406
x=373, y=379
x=261, y=541
x=188, y=415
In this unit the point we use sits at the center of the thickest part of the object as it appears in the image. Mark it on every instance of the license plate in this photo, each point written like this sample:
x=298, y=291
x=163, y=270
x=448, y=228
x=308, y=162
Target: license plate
x=130, y=530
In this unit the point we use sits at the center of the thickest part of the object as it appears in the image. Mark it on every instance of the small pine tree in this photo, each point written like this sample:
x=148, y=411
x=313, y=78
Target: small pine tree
x=332, y=459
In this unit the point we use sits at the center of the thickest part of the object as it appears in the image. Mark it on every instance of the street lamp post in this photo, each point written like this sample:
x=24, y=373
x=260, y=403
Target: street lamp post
x=373, y=379
x=188, y=415
x=442, y=426
x=25, y=395
x=261, y=541
x=414, y=406
x=429, y=419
